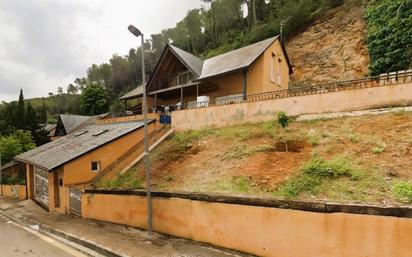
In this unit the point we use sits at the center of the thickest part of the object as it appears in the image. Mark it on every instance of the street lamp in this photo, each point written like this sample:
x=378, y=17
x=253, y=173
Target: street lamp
x=136, y=32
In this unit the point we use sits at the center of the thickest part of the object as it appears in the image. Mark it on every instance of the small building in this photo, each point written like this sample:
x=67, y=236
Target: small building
x=57, y=170
x=182, y=80
x=13, y=171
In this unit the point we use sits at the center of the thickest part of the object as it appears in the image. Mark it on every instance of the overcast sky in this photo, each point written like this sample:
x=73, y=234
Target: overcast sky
x=46, y=44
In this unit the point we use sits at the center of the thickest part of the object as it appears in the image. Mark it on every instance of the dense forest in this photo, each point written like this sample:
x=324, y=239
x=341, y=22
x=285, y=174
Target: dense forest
x=219, y=26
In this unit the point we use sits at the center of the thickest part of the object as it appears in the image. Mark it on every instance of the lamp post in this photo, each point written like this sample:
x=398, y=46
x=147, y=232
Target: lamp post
x=136, y=32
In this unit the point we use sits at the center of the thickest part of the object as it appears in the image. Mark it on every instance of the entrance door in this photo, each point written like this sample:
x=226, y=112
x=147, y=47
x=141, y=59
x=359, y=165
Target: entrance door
x=75, y=201
x=41, y=187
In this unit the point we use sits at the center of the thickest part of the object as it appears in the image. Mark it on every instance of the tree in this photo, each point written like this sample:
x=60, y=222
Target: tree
x=43, y=113
x=72, y=90
x=389, y=35
x=40, y=135
x=9, y=147
x=94, y=99
x=283, y=121
x=14, y=144
x=20, y=112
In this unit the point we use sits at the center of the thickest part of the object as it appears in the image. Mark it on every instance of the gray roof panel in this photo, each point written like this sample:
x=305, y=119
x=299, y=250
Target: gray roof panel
x=234, y=60
x=192, y=62
x=133, y=94
x=65, y=149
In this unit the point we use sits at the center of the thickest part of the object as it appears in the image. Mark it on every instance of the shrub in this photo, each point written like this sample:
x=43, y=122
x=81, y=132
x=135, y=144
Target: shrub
x=403, y=191
x=314, y=172
x=334, y=168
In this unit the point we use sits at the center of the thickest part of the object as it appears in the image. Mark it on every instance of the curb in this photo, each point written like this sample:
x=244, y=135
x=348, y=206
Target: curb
x=70, y=237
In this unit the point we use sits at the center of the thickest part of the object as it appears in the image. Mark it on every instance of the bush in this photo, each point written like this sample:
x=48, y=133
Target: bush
x=334, y=168
x=314, y=172
x=403, y=191
x=389, y=35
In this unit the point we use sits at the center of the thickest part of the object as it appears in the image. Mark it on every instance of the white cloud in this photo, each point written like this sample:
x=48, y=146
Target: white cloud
x=46, y=44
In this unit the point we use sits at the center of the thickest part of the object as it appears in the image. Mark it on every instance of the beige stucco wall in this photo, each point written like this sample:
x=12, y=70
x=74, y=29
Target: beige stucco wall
x=356, y=99
x=14, y=191
x=276, y=232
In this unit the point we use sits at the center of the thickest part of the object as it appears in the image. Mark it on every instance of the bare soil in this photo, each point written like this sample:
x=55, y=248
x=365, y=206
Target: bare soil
x=333, y=47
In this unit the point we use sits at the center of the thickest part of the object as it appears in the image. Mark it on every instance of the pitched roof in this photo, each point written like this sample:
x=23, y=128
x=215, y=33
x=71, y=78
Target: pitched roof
x=71, y=122
x=133, y=94
x=234, y=60
x=65, y=149
x=50, y=127
x=8, y=165
x=192, y=62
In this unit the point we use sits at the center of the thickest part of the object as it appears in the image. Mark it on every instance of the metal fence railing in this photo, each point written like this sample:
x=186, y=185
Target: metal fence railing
x=393, y=78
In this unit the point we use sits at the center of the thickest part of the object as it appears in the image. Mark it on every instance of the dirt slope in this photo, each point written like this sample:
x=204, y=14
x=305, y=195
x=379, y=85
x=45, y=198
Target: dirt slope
x=332, y=47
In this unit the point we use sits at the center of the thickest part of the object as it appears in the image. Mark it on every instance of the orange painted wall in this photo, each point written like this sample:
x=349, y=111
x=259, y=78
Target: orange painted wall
x=79, y=169
x=14, y=191
x=356, y=99
x=276, y=232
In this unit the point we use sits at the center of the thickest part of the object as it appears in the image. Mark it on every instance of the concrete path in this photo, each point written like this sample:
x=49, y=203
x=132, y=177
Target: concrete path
x=15, y=241
x=122, y=240
x=333, y=115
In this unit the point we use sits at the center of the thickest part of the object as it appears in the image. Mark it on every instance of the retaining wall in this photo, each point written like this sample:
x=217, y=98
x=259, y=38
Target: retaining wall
x=262, y=227
x=14, y=191
x=346, y=100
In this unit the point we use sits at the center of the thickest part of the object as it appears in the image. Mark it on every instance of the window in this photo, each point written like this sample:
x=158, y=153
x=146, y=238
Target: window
x=279, y=72
x=272, y=68
x=96, y=166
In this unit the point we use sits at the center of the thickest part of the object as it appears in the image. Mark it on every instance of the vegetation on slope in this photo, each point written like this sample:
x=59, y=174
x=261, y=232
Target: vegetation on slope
x=333, y=159
x=389, y=35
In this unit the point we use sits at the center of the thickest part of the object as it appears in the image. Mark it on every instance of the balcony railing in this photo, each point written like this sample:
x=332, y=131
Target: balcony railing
x=181, y=78
x=393, y=78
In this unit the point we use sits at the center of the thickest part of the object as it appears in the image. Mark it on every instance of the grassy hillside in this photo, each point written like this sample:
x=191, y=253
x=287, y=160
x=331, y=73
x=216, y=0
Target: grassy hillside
x=356, y=159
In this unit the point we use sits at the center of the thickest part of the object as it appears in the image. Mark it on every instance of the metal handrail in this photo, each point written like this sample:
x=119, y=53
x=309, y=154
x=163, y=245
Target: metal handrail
x=368, y=82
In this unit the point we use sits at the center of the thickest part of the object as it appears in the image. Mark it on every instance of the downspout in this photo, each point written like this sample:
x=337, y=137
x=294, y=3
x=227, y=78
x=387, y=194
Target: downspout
x=244, y=91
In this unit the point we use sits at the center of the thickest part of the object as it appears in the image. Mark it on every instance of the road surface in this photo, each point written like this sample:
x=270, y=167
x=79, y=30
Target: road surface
x=15, y=241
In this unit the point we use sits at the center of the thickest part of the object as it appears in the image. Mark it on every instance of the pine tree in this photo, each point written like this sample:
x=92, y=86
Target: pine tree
x=20, y=112
x=43, y=113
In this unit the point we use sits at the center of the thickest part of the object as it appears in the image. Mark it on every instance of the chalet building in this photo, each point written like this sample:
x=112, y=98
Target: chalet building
x=182, y=80
x=57, y=171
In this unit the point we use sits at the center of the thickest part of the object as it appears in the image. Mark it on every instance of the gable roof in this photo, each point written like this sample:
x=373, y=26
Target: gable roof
x=237, y=59
x=65, y=149
x=191, y=62
x=133, y=94
x=71, y=122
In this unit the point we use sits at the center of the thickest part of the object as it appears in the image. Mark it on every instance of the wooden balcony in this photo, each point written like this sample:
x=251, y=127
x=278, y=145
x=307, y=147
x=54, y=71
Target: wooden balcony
x=173, y=80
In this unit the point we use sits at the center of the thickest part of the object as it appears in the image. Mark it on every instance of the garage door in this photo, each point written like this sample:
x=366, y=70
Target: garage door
x=41, y=187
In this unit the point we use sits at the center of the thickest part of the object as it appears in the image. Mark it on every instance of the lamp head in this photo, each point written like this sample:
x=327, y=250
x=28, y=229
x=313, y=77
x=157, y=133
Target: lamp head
x=135, y=31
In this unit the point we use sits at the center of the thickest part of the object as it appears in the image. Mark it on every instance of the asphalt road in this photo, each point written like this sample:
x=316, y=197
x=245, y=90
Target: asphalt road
x=17, y=242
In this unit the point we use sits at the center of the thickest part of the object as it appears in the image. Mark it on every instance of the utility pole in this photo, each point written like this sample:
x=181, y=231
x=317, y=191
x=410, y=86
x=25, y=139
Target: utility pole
x=136, y=32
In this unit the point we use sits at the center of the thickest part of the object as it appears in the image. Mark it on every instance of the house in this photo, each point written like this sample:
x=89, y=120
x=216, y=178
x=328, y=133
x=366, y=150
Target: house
x=57, y=170
x=13, y=171
x=51, y=130
x=182, y=80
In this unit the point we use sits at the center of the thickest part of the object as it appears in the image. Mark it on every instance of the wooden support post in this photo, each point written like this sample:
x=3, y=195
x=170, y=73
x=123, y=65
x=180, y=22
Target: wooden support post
x=244, y=93
x=181, y=98
x=197, y=90
x=155, y=104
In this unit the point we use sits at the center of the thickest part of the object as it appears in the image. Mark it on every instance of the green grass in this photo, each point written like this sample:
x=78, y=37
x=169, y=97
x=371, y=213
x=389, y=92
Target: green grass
x=402, y=190
x=237, y=184
x=127, y=180
x=316, y=171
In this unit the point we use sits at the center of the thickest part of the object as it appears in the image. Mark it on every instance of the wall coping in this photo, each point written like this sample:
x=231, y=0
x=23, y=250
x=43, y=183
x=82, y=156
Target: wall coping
x=312, y=206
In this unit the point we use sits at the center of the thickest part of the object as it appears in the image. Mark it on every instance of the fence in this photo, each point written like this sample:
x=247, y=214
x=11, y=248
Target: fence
x=394, y=78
